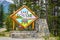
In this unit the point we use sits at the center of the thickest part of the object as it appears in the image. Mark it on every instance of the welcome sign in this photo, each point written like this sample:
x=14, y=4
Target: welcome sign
x=24, y=16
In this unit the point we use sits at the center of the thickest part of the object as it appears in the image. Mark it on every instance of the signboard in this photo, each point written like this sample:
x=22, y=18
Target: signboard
x=24, y=16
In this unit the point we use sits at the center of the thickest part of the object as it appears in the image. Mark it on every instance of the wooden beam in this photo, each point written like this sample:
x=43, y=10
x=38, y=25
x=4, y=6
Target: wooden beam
x=33, y=25
x=13, y=24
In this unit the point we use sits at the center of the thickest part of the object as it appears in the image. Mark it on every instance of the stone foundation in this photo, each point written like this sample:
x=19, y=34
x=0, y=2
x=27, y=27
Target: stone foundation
x=41, y=30
x=23, y=34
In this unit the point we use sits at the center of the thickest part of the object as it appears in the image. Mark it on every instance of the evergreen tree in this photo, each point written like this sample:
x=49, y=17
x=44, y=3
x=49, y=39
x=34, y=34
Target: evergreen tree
x=1, y=15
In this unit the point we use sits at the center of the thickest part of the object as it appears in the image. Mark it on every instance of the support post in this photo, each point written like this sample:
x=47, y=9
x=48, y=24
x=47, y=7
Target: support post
x=13, y=25
x=33, y=25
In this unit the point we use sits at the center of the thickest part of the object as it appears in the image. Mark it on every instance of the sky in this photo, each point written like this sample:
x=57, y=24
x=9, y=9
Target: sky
x=7, y=1
x=10, y=1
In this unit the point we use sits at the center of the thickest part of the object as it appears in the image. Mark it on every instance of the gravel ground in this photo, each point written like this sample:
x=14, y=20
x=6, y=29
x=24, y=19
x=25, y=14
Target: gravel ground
x=8, y=38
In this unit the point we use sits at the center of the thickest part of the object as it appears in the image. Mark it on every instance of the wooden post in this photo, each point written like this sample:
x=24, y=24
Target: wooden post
x=13, y=22
x=13, y=25
x=33, y=25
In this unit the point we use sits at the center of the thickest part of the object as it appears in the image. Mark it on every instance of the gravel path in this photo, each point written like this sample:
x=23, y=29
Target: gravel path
x=8, y=38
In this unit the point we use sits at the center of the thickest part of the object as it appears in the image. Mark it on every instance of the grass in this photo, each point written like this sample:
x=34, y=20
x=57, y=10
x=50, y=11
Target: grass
x=4, y=34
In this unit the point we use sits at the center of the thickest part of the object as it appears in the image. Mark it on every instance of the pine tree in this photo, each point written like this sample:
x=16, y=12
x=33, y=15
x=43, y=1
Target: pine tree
x=1, y=15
